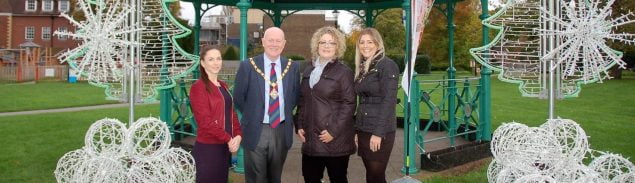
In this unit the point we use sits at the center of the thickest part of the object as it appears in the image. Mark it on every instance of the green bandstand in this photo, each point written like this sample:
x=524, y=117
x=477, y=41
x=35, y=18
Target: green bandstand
x=462, y=108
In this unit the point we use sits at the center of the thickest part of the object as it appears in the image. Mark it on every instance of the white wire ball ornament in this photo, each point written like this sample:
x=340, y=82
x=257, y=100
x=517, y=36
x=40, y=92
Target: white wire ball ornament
x=576, y=173
x=536, y=151
x=140, y=154
x=101, y=169
x=148, y=136
x=503, y=139
x=181, y=164
x=150, y=170
x=553, y=152
x=105, y=137
x=571, y=137
x=69, y=165
x=535, y=178
x=493, y=170
x=610, y=166
x=508, y=175
x=624, y=178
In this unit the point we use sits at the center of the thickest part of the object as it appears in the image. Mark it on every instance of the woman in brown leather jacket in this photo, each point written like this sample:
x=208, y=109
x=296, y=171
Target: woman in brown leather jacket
x=376, y=85
x=325, y=110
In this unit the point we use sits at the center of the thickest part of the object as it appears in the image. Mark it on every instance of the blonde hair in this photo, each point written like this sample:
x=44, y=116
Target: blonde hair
x=337, y=35
x=379, y=42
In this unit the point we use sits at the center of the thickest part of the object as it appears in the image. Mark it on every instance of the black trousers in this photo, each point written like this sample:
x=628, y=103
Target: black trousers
x=313, y=168
x=265, y=163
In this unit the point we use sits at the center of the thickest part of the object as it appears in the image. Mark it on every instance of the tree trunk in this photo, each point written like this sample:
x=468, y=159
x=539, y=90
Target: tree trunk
x=615, y=72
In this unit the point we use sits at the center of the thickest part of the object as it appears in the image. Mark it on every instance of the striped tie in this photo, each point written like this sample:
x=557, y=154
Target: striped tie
x=274, y=102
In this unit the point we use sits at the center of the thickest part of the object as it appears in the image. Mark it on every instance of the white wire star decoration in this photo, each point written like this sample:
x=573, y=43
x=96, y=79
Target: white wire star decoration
x=104, y=42
x=587, y=27
x=583, y=29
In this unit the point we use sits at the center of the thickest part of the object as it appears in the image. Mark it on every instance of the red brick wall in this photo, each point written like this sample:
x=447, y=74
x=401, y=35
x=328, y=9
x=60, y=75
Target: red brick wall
x=4, y=31
x=233, y=30
x=21, y=22
x=298, y=30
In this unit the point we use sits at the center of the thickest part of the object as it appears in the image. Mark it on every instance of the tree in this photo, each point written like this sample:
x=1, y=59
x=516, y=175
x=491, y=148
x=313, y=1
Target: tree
x=391, y=28
x=468, y=35
x=351, y=44
x=619, y=8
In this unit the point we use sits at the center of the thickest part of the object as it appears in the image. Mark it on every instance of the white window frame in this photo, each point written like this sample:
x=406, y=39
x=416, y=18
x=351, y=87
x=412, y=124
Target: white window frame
x=26, y=32
x=62, y=37
x=47, y=2
x=26, y=5
x=46, y=33
x=64, y=2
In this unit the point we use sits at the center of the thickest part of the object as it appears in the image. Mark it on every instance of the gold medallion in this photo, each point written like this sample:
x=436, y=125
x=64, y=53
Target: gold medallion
x=273, y=84
x=273, y=94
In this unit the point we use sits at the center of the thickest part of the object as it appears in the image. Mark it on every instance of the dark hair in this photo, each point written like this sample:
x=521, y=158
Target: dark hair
x=201, y=70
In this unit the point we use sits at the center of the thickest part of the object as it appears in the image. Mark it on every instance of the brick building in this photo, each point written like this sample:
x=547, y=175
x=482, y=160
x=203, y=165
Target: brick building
x=34, y=22
x=298, y=28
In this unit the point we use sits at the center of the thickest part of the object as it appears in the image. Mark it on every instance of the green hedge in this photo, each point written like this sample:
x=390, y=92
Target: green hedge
x=231, y=53
x=422, y=65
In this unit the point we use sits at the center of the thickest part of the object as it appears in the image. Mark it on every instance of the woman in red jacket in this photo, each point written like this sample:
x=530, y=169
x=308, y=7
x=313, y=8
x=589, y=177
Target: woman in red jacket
x=218, y=133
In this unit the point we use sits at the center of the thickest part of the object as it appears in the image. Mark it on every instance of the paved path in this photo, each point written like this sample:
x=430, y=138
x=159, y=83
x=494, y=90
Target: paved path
x=292, y=172
x=70, y=109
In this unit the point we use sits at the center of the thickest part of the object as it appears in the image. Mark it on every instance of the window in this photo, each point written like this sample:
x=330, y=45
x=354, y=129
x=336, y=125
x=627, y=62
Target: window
x=64, y=5
x=30, y=5
x=46, y=33
x=47, y=5
x=62, y=29
x=29, y=33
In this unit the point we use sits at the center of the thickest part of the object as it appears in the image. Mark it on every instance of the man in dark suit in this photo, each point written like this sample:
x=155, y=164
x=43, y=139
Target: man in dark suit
x=265, y=92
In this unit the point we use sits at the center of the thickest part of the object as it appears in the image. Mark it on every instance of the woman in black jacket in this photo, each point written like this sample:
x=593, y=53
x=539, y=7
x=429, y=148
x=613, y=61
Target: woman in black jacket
x=376, y=85
x=325, y=110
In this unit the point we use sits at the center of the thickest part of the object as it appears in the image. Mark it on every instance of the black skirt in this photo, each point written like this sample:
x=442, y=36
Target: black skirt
x=212, y=162
x=363, y=150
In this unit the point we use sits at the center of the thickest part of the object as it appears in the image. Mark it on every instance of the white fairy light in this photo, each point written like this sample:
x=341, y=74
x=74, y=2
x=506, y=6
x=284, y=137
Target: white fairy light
x=582, y=29
x=610, y=166
x=553, y=152
x=586, y=27
x=103, y=55
x=570, y=136
x=115, y=154
x=535, y=178
x=103, y=37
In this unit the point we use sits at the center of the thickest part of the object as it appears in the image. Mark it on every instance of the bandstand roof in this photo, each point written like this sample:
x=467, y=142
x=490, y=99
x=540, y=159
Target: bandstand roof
x=315, y=4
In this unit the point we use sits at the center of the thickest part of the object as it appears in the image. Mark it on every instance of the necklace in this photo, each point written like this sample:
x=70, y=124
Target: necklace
x=273, y=93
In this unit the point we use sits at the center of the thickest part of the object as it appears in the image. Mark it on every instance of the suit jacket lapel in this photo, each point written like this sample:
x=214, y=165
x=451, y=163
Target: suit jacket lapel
x=260, y=63
x=285, y=80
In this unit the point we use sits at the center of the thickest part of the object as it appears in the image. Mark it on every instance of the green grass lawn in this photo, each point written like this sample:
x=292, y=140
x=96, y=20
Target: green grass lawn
x=49, y=95
x=32, y=144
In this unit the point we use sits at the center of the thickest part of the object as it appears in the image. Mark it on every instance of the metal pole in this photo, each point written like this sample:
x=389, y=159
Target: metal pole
x=551, y=65
x=485, y=98
x=369, y=19
x=131, y=68
x=243, y=5
x=197, y=32
x=451, y=73
x=409, y=153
